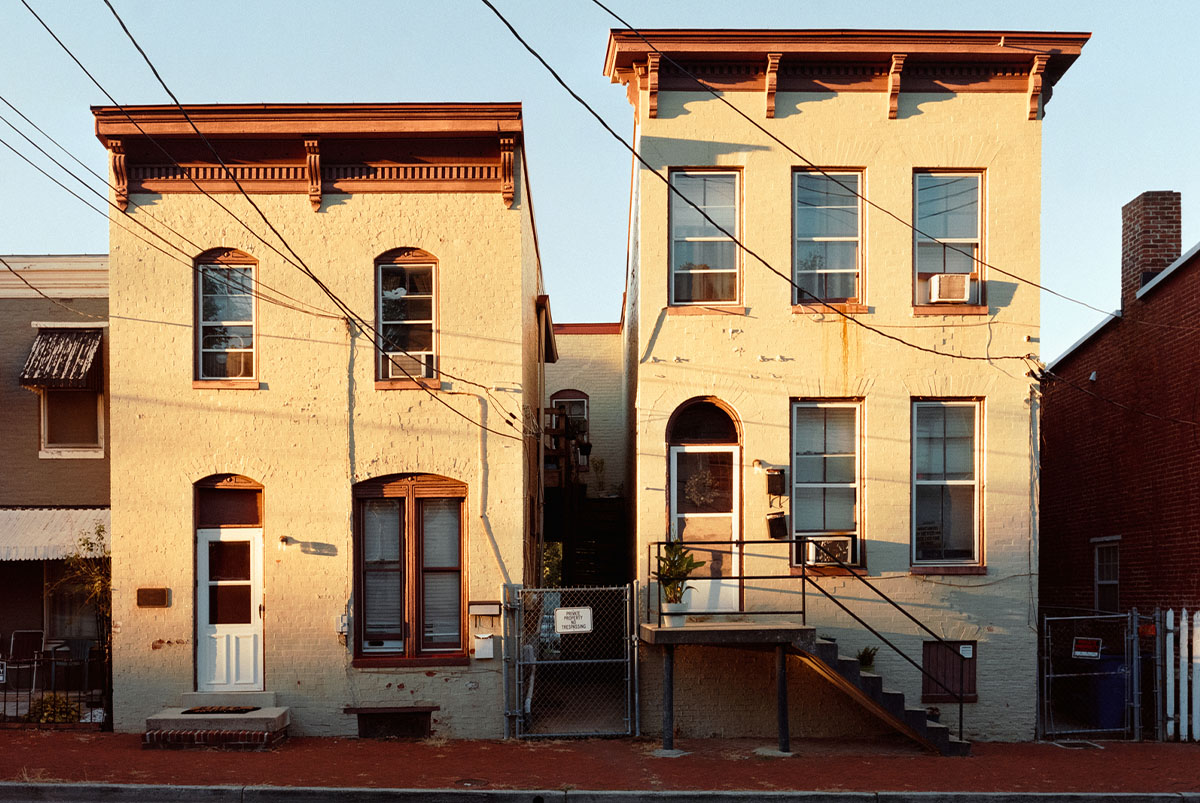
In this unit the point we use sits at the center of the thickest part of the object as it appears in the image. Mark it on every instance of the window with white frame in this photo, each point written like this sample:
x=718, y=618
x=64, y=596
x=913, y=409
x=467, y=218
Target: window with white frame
x=705, y=263
x=72, y=423
x=826, y=482
x=225, y=319
x=945, y=477
x=405, y=310
x=827, y=253
x=1107, y=576
x=949, y=241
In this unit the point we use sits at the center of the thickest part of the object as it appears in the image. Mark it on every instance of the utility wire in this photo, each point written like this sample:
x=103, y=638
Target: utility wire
x=720, y=228
x=303, y=267
x=14, y=272
x=1046, y=373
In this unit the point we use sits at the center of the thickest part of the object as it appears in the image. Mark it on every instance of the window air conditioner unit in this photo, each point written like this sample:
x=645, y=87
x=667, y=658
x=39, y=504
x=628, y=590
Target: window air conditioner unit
x=950, y=288
x=841, y=548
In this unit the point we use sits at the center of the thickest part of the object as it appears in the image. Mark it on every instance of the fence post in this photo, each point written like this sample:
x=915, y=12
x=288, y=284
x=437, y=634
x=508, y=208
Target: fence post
x=1133, y=647
x=1170, y=634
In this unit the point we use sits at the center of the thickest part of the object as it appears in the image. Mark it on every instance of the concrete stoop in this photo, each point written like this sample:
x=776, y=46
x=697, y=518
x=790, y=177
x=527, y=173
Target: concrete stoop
x=867, y=690
x=253, y=730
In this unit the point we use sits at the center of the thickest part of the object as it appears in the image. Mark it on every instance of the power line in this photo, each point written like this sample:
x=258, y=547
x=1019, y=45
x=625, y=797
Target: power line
x=299, y=262
x=1046, y=373
x=717, y=226
x=14, y=272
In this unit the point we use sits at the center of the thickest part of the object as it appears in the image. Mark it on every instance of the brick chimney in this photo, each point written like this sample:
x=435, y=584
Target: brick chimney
x=1150, y=239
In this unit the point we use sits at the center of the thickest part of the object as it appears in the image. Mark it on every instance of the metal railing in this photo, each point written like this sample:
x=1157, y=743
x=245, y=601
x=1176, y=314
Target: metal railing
x=53, y=689
x=807, y=579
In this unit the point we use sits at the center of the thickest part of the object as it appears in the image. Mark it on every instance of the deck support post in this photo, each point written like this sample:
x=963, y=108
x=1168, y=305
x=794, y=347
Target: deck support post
x=781, y=697
x=668, y=711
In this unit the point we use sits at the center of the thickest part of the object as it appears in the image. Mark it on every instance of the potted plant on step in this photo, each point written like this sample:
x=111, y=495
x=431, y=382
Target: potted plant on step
x=675, y=566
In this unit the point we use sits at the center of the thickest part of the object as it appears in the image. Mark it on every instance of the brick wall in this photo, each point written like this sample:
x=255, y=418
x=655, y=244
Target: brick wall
x=1108, y=471
x=1150, y=239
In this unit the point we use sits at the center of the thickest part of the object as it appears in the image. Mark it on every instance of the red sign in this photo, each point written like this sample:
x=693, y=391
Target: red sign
x=1086, y=647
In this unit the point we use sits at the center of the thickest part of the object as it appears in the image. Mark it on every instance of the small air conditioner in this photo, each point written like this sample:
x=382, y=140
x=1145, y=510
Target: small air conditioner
x=840, y=548
x=950, y=288
x=417, y=365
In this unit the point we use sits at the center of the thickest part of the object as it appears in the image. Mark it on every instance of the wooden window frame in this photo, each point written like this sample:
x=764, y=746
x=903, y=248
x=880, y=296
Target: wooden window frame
x=1104, y=544
x=852, y=303
x=223, y=257
x=730, y=304
x=946, y=669
x=921, y=304
x=977, y=560
x=856, y=535
x=73, y=451
x=411, y=488
x=407, y=257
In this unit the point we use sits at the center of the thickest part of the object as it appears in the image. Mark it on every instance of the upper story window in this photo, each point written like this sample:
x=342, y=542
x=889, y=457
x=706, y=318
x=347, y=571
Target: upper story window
x=65, y=368
x=949, y=248
x=705, y=264
x=225, y=316
x=405, y=311
x=827, y=252
x=825, y=481
x=571, y=419
x=945, y=494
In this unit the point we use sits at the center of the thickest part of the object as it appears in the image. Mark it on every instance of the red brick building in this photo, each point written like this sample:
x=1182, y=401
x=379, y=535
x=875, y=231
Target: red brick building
x=1120, y=482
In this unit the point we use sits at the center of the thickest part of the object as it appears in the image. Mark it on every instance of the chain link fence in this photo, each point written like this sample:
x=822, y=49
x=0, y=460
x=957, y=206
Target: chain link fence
x=570, y=661
x=1099, y=676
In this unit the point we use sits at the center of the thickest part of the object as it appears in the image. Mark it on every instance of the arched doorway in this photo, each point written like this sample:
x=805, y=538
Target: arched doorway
x=704, y=482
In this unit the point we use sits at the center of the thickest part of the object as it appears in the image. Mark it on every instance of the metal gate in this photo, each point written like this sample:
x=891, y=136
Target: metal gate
x=570, y=661
x=1099, y=676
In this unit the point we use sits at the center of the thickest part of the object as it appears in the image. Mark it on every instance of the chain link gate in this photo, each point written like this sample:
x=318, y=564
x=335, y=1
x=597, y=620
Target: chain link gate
x=570, y=662
x=1099, y=676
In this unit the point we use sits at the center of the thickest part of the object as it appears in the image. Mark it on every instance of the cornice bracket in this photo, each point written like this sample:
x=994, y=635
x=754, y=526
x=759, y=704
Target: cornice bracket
x=1035, y=84
x=116, y=158
x=313, y=152
x=506, y=170
x=772, y=81
x=652, y=62
x=894, y=84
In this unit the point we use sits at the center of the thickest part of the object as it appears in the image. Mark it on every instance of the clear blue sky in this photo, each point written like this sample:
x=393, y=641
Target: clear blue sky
x=1123, y=120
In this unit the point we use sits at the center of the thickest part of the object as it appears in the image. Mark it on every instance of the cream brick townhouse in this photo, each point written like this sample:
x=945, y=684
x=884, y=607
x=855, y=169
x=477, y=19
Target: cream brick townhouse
x=752, y=396
x=306, y=506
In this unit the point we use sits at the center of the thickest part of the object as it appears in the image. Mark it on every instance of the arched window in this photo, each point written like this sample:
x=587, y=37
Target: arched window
x=704, y=475
x=406, y=314
x=409, y=576
x=225, y=315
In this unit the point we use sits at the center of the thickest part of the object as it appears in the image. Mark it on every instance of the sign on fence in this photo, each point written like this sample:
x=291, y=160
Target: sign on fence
x=572, y=620
x=1085, y=647
x=3, y=672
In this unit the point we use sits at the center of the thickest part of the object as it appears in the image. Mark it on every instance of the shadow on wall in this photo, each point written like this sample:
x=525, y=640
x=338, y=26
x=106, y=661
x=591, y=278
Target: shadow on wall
x=663, y=152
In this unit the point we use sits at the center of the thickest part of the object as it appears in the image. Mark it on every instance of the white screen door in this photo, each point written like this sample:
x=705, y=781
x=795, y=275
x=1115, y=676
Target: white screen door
x=705, y=481
x=229, y=630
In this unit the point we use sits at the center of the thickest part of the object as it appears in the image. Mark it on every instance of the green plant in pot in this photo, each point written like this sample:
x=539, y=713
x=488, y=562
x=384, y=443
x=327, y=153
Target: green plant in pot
x=675, y=566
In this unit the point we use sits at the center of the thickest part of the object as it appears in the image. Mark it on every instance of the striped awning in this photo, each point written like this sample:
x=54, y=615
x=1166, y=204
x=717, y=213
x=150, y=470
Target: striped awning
x=64, y=359
x=46, y=533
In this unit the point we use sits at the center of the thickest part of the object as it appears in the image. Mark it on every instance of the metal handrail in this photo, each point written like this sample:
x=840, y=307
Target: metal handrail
x=805, y=580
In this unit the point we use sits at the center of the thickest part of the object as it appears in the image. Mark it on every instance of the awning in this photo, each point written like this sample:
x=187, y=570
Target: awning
x=47, y=533
x=64, y=359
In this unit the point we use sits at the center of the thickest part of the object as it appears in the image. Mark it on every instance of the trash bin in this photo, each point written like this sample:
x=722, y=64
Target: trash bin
x=1109, y=693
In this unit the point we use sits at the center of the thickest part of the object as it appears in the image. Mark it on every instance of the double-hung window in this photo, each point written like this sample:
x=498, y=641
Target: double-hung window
x=826, y=482
x=827, y=252
x=949, y=238
x=705, y=262
x=405, y=311
x=945, y=492
x=1107, y=574
x=409, y=567
x=225, y=318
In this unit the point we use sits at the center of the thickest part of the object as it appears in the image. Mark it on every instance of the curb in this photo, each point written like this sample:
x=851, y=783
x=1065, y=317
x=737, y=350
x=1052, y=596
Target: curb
x=13, y=792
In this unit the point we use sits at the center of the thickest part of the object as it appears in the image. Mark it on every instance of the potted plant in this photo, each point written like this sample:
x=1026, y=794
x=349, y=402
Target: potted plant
x=866, y=658
x=675, y=565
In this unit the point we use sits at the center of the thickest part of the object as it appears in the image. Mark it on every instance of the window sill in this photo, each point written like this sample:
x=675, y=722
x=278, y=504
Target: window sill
x=947, y=570
x=71, y=454
x=399, y=661
x=705, y=309
x=946, y=698
x=847, y=307
x=830, y=571
x=408, y=384
x=225, y=384
x=920, y=310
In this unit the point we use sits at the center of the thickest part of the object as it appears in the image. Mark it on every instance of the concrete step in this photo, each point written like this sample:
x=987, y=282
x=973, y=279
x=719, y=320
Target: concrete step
x=826, y=652
x=871, y=683
x=269, y=719
x=958, y=747
x=939, y=734
x=849, y=668
x=893, y=702
x=917, y=719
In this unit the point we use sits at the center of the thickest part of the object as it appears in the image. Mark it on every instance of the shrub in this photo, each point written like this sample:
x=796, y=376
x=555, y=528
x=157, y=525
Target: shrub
x=53, y=708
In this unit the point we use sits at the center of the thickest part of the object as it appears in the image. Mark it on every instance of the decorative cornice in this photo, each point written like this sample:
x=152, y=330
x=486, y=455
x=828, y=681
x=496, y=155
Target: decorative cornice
x=772, y=81
x=1035, y=84
x=313, y=152
x=116, y=157
x=67, y=276
x=652, y=65
x=506, y=170
x=894, y=84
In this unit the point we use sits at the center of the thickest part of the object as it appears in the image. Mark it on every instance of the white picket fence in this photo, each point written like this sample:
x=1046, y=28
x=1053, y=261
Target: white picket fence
x=1183, y=668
